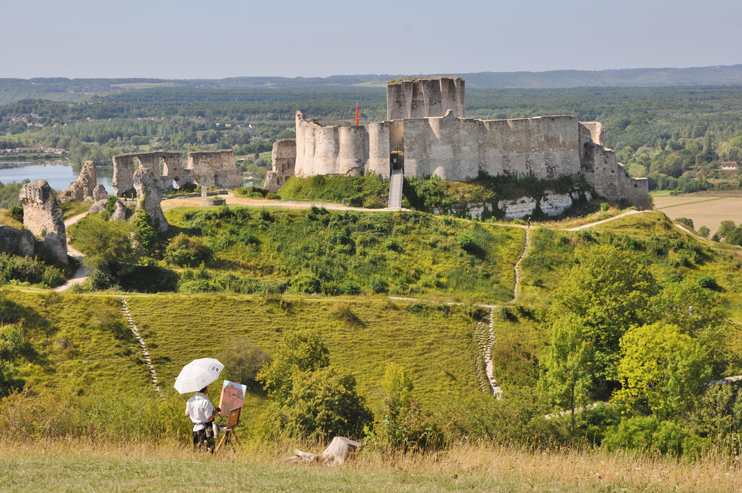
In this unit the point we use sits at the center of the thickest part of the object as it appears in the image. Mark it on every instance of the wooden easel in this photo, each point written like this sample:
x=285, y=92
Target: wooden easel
x=232, y=423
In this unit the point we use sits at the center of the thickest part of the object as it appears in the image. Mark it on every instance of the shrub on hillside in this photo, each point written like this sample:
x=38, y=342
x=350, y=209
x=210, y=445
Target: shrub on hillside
x=647, y=434
x=32, y=271
x=685, y=221
x=187, y=251
x=106, y=244
x=310, y=397
x=250, y=192
x=242, y=361
x=707, y=281
x=16, y=212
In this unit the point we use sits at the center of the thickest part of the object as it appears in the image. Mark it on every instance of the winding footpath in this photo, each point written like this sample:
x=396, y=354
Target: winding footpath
x=82, y=272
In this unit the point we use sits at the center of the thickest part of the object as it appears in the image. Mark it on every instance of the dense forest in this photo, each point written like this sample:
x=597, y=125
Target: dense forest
x=676, y=136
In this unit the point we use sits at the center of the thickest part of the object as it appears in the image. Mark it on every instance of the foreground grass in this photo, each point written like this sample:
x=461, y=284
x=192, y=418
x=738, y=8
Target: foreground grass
x=79, y=466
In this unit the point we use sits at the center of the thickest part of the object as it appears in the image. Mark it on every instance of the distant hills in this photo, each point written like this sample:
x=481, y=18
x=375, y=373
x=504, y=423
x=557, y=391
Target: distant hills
x=62, y=89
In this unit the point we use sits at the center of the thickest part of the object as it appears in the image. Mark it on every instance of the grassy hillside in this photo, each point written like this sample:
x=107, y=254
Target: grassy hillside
x=433, y=342
x=77, y=344
x=81, y=344
x=335, y=252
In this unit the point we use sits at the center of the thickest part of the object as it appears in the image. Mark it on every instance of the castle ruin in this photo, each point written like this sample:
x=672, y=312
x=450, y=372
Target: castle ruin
x=205, y=168
x=427, y=133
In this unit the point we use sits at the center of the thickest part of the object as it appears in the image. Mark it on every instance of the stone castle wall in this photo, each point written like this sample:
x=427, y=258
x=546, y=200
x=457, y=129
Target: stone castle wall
x=425, y=97
x=457, y=149
x=338, y=150
x=214, y=168
x=427, y=124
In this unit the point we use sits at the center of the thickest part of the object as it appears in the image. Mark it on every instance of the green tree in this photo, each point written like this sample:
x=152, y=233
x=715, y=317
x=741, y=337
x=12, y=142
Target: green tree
x=608, y=291
x=568, y=366
x=325, y=403
x=106, y=244
x=300, y=352
x=311, y=398
x=242, y=361
x=689, y=306
x=663, y=369
x=144, y=233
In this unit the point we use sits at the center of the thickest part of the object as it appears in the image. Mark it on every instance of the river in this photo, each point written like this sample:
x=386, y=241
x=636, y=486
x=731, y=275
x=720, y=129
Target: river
x=59, y=174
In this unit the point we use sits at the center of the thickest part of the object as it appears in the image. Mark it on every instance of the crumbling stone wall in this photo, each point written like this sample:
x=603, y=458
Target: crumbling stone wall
x=283, y=164
x=124, y=166
x=43, y=217
x=605, y=174
x=423, y=97
x=213, y=168
x=457, y=149
x=204, y=168
x=83, y=187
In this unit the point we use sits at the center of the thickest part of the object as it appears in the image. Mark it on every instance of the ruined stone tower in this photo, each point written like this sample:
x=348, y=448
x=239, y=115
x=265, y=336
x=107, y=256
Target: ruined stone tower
x=424, y=97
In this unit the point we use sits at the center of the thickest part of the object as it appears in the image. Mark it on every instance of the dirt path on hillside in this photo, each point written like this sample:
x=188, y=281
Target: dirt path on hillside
x=82, y=272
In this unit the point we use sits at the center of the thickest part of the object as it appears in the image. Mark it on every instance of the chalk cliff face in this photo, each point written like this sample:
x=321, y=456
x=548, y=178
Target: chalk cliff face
x=429, y=134
x=43, y=217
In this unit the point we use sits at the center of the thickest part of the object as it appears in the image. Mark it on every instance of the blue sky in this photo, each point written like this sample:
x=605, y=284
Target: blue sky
x=219, y=38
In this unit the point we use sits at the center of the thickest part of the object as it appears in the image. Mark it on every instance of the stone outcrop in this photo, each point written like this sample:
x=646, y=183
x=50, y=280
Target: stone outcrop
x=43, y=217
x=120, y=213
x=99, y=193
x=98, y=207
x=283, y=164
x=149, y=195
x=16, y=241
x=205, y=168
x=83, y=187
x=551, y=204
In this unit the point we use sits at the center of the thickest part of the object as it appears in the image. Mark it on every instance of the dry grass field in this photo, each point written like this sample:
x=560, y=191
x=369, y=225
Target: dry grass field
x=706, y=209
x=60, y=466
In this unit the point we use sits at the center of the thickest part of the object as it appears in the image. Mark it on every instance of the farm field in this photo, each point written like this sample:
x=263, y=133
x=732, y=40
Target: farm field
x=706, y=209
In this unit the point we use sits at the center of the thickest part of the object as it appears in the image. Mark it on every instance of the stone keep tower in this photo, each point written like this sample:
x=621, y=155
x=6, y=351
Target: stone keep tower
x=423, y=97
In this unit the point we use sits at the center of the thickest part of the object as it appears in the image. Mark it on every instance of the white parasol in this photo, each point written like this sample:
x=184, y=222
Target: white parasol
x=198, y=374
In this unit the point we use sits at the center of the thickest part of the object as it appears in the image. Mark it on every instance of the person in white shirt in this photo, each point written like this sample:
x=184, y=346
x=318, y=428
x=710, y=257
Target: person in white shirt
x=202, y=413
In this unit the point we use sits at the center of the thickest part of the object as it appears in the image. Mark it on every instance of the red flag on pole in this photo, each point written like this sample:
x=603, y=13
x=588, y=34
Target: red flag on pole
x=358, y=114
